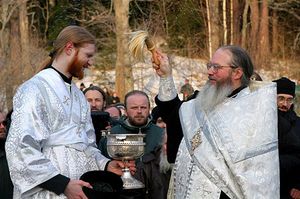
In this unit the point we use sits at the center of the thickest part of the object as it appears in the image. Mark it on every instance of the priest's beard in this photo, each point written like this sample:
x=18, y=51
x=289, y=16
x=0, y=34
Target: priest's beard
x=211, y=95
x=76, y=68
x=164, y=165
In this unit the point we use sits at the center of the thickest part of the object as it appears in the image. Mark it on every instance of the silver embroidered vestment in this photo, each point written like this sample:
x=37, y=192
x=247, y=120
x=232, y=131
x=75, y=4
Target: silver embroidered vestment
x=233, y=148
x=238, y=149
x=51, y=133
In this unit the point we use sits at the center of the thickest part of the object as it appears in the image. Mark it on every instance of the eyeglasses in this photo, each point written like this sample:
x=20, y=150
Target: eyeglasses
x=281, y=99
x=216, y=67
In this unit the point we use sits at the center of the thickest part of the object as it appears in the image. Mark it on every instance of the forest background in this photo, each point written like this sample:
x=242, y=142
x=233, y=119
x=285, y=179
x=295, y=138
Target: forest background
x=268, y=29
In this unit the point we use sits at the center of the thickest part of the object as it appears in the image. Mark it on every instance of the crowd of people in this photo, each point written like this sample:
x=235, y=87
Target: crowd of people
x=236, y=137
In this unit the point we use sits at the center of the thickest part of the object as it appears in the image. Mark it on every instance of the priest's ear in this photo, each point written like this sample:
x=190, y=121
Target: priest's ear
x=237, y=73
x=69, y=48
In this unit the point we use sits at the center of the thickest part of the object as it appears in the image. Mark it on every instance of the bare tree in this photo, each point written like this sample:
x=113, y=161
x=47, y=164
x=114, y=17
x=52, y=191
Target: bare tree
x=7, y=9
x=264, y=43
x=275, y=35
x=254, y=21
x=225, y=29
x=25, y=39
x=245, y=24
x=124, y=77
x=213, y=25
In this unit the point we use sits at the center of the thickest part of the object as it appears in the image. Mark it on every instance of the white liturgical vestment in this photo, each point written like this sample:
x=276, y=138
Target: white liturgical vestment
x=51, y=133
x=233, y=148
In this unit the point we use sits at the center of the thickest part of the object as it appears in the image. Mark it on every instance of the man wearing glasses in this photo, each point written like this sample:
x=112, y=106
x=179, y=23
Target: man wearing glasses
x=229, y=147
x=289, y=139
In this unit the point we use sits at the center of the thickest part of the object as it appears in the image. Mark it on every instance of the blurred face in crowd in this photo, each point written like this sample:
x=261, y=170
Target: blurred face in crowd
x=2, y=126
x=114, y=112
x=161, y=123
x=123, y=110
x=138, y=110
x=95, y=98
x=82, y=59
x=284, y=102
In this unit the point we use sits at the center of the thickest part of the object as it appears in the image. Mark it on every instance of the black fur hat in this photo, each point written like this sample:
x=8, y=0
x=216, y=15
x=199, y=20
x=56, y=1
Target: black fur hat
x=105, y=185
x=285, y=86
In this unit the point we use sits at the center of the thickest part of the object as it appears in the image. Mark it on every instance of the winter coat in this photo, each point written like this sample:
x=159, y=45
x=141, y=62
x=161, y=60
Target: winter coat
x=156, y=183
x=289, y=152
x=6, y=186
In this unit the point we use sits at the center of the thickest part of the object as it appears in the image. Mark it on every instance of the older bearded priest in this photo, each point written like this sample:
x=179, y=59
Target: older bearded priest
x=229, y=147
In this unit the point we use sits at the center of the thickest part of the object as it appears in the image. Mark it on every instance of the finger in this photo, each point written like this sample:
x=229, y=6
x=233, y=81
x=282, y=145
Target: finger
x=130, y=164
x=85, y=184
x=121, y=164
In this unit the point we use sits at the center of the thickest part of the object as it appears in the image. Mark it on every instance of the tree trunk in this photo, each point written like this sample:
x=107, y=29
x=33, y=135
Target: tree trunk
x=225, y=29
x=209, y=28
x=15, y=60
x=264, y=43
x=213, y=25
x=254, y=21
x=25, y=40
x=124, y=79
x=231, y=22
x=245, y=24
x=237, y=13
x=275, y=36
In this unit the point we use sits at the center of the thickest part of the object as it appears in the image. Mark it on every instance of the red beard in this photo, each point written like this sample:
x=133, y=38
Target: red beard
x=76, y=67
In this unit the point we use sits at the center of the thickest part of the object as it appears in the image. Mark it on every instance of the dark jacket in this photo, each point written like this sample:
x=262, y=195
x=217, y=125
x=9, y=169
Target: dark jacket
x=169, y=111
x=153, y=133
x=289, y=151
x=6, y=186
x=156, y=183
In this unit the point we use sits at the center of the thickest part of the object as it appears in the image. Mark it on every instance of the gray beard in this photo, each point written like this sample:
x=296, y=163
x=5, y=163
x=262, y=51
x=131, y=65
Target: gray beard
x=164, y=165
x=212, y=95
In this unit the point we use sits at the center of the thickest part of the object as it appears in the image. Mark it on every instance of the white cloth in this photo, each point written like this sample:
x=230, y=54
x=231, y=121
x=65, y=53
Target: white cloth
x=234, y=148
x=51, y=133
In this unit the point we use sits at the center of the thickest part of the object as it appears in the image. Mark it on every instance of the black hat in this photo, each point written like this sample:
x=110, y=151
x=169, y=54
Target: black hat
x=105, y=184
x=285, y=86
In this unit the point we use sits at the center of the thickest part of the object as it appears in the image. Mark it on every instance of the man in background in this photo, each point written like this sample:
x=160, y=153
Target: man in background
x=289, y=140
x=154, y=170
x=96, y=98
x=186, y=89
x=138, y=121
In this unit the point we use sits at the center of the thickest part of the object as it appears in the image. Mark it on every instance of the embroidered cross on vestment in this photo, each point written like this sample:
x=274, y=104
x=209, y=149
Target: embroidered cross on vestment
x=196, y=140
x=66, y=100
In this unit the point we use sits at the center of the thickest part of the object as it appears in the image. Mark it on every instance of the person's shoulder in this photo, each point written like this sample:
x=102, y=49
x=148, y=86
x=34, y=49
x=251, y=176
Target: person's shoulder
x=193, y=96
x=119, y=128
x=29, y=87
x=155, y=128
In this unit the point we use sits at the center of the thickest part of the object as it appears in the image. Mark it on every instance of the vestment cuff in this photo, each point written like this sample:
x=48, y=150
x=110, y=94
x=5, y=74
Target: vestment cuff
x=167, y=89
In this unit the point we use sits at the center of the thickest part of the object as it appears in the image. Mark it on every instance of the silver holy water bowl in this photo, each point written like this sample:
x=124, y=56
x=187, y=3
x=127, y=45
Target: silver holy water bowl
x=126, y=147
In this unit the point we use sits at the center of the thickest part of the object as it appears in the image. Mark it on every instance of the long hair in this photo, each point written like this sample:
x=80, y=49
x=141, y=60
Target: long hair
x=75, y=34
